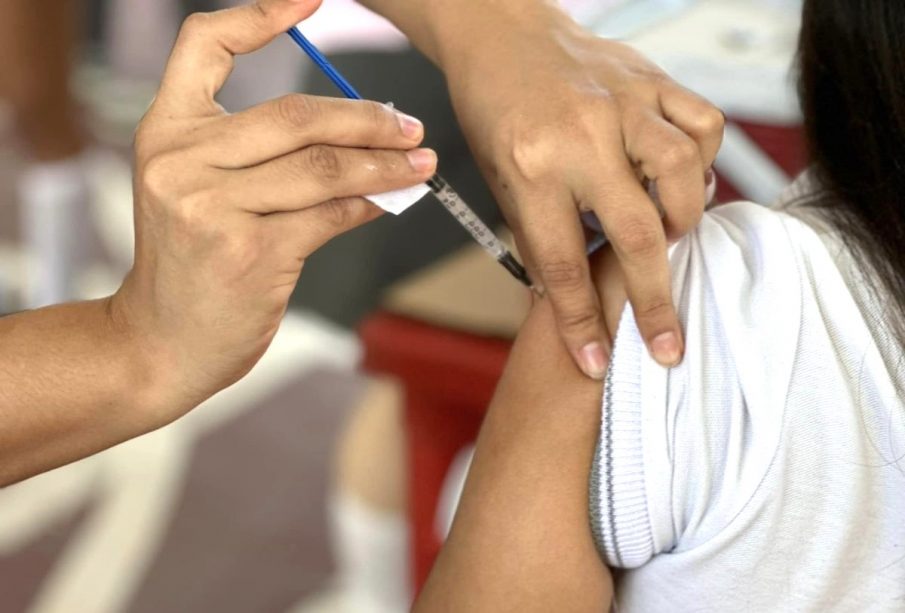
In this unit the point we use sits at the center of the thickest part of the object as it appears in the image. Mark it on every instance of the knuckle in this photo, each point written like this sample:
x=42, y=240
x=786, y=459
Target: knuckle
x=296, y=110
x=187, y=218
x=337, y=214
x=195, y=24
x=685, y=219
x=324, y=163
x=578, y=320
x=679, y=154
x=562, y=275
x=157, y=176
x=590, y=114
x=378, y=114
x=657, y=77
x=711, y=122
x=637, y=236
x=242, y=252
x=239, y=254
x=657, y=308
x=648, y=77
x=532, y=152
x=192, y=209
x=635, y=122
x=260, y=9
x=261, y=16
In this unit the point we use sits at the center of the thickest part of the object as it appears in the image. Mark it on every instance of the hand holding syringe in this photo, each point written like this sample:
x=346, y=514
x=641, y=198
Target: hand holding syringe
x=448, y=197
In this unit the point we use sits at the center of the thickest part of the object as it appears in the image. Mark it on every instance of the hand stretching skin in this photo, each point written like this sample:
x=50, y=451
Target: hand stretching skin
x=562, y=121
x=227, y=209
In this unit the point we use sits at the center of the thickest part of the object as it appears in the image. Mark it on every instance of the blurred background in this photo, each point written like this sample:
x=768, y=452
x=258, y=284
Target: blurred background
x=325, y=481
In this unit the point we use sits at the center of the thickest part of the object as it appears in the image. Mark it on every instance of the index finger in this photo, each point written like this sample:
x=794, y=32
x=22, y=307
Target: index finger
x=204, y=53
x=634, y=228
x=555, y=239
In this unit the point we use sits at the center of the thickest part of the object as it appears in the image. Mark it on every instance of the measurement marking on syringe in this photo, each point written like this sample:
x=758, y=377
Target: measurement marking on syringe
x=477, y=228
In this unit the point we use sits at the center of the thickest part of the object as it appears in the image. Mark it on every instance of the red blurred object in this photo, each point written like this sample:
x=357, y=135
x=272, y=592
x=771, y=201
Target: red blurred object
x=783, y=144
x=449, y=378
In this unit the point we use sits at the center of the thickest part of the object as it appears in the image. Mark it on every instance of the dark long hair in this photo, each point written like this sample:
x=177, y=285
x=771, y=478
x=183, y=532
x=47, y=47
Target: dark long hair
x=852, y=87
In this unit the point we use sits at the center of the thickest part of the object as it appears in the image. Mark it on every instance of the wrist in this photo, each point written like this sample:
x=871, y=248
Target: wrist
x=151, y=373
x=468, y=34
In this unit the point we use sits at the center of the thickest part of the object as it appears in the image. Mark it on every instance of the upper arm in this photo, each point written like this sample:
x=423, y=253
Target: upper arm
x=698, y=436
x=521, y=539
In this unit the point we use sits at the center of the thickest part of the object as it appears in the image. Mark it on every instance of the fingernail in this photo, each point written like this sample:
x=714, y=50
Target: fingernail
x=422, y=159
x=410, y=126
x=593, y=360
x=665, y=349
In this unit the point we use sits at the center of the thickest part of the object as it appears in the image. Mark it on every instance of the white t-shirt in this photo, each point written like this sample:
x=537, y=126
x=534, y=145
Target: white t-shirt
x=767, y=471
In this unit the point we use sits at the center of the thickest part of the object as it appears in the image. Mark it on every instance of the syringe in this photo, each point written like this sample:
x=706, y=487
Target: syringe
x=479, y=231
x=447, y=196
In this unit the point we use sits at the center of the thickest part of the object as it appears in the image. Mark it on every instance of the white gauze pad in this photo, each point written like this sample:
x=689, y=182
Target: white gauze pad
x=399, y=201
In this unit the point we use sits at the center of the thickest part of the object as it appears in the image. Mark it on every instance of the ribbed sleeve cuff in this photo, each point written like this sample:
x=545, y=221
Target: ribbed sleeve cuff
x=620, y=520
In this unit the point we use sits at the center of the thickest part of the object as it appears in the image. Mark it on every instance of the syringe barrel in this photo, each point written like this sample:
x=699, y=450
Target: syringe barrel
x=466, y=217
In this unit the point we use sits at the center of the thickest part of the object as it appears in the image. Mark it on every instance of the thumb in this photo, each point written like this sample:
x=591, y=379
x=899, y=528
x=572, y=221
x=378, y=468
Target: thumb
x=204, y=53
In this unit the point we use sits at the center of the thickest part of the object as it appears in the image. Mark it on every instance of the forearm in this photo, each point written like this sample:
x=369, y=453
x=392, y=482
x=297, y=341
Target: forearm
x=71, y=384
x=451, y=32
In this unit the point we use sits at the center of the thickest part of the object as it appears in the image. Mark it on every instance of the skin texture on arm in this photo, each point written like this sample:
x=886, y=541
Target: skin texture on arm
x=227, y=210
x=521, y=539
x=72, y=382
x=561, y=121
